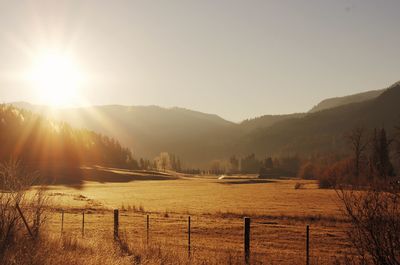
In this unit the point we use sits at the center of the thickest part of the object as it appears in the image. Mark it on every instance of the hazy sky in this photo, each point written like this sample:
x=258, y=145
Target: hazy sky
x=237, y=59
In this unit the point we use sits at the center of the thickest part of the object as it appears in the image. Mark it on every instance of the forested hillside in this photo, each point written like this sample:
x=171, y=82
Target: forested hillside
x=267, y=121
x=324, y=131
x=53, y=147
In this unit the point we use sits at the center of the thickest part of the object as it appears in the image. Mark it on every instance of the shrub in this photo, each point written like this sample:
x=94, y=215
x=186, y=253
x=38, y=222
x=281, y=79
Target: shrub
x=298, y=185
x=325, y=183
x=14, y=184
x=374, y=216
x=307, y=171
x=339, y=172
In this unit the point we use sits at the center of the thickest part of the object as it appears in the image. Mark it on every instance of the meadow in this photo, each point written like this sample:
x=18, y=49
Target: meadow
x=279, y=209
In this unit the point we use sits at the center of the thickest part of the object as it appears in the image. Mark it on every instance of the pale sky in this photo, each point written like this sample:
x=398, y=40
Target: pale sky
x=237, y=59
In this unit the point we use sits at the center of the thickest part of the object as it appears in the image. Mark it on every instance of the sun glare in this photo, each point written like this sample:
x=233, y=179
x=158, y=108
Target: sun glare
x=56, y=78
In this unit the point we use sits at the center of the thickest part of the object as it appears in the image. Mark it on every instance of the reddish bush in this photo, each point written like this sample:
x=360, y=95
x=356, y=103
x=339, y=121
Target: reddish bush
x=307, y=171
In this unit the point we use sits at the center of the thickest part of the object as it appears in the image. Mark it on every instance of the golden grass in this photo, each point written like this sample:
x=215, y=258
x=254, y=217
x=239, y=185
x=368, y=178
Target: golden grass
x=203, y=195
x=281, y=241
x=279, y=215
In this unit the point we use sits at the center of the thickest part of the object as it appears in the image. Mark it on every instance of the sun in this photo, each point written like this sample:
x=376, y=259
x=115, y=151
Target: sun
x=56, y=79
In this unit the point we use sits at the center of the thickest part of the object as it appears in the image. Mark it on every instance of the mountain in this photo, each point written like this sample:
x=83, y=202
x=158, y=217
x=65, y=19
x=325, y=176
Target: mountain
x=324, y=131
x=340, y=101
x=266, y=121
x=198, y=138
x=148, y=130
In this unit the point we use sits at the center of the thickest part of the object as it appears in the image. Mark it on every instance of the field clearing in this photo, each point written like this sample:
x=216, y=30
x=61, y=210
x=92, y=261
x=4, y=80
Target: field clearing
x=204, y=195
x=279, y=215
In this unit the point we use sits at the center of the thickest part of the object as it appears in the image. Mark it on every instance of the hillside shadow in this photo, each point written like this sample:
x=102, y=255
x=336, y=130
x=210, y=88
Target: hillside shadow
x=247, y=181
x=105, y=175
x=75, y=177
x=56, y=175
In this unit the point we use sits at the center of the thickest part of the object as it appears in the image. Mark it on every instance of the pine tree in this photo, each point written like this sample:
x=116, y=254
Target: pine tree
x=386, y=165
x=380, y=165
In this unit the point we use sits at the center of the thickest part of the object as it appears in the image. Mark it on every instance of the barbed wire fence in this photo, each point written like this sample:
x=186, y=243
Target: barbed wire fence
x=190, y=233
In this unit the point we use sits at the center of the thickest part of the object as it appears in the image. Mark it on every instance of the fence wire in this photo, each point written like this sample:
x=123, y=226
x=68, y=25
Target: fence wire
x=217, y=234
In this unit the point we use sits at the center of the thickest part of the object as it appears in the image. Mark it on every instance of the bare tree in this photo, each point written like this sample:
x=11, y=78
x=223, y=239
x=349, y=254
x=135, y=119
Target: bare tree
x=216, y=167
x=163, y=161
x=358, y=143
x=374, y=216
x=16, y=195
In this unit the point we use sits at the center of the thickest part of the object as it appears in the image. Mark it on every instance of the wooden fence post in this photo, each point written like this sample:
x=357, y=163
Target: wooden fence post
x=308, y=245
x=83, y=223
x=147, y=228
x=116, y=223
x=62, y=222
x=247, y=240
x=24, y=220
x=189, y=236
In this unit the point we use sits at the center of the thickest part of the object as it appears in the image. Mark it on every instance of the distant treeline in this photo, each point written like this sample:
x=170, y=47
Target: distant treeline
x=250, y=164
x=372, y=157
x=164, y=161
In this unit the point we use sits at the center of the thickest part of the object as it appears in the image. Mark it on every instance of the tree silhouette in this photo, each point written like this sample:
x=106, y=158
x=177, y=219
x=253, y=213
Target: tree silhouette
x=52, y=147
x=380, y=164
x=358, y=145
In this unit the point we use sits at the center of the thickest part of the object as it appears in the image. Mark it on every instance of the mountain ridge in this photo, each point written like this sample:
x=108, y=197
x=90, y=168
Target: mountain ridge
x=324, y=131
x=199, y=138
x=343, y=100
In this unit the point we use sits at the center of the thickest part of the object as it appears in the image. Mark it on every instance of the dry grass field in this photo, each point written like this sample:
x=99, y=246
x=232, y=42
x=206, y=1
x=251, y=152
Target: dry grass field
x=279, y=215
x=203, y=195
